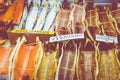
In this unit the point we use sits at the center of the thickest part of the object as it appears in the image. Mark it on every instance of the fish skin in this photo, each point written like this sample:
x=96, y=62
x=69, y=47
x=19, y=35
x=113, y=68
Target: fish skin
x=107, y=24
x=31, y=18
x=52, y=28
x=25, y=63
x=92, y=24
x=77, y=16
x=116, y=18
x=41, y=18
x=86, y=65
x=50, y=18
x=8, y=16
x=109, y=68
x=67, y=62
x=47, y=67
x=38, y=2
x=18, y=12
x=22, y=22
x=29, y=2
x=5, y=54
x=62, y=22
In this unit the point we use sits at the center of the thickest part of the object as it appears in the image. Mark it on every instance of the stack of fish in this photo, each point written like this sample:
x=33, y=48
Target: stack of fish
x=85, y=60
x=30, y=14
x=40, y=15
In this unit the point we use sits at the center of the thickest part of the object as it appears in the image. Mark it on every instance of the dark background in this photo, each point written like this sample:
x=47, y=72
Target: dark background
x=103, y=1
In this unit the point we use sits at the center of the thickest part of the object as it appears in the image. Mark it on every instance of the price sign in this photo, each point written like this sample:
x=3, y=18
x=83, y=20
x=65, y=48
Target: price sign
x=33, y=31
x=4, y=77
x=66, y=37
x=109, y=39
x=19, y=31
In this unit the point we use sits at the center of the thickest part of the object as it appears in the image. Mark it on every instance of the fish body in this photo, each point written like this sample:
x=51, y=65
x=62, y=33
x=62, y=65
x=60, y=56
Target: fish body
x=31, y=18
x=50, y=18
x=52, y=27
x=8, y=16
x=86, y=65
x=62, y=22
x=41, y=18
x=109, y=68
x=116, y=17
x=23, y=19
x=48, y=65
x=92, y=21
x=18, y=12
x=67, y=62
x=24, y=63
x=5, y=53
x=77, y=17
x=29, y=2
x=107, y=24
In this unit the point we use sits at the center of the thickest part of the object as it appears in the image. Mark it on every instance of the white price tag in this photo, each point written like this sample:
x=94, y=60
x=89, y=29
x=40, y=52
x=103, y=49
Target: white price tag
x=4, y=77
x=66, y=37
x=109, y=39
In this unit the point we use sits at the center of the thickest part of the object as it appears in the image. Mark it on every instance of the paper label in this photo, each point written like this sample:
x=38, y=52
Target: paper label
x=4, y=77
x=66, y=37
x=33, y=31
x=19, y=31
x=109, y=39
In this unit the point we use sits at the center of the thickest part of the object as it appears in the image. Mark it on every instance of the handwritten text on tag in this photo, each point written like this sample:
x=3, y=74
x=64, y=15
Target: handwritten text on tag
x=66, y=37
x=109, y=39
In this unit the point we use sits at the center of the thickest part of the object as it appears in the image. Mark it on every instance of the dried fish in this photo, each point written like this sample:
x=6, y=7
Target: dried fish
x=41, y=18
x=29, y=2
x=18, y=12
x=12, y=56
x=5, y=53
x=52, y=27
x=109, y=66
x=36, y=2
x=108, y=27
x=48, y=65
x=62, y=22
x=92, y=24
x=67, y=62
x=50, y=18
x=31, y=18
x=8, y=16
x=116, y=17
x=87, y=64
x=77, y=17
x=24, y=61
x=23, y=19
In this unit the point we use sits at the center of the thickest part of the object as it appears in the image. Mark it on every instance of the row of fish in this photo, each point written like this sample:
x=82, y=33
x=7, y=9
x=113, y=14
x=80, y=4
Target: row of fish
x=30, y=14
x=82, y=18
x=54, y=61
x=39, y=16
x=74, y=18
